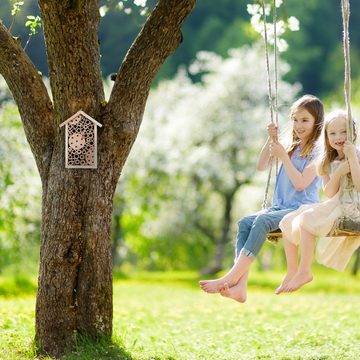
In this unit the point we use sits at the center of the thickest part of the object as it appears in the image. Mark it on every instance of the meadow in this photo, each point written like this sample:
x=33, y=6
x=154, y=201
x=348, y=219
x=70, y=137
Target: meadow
x=166, y=316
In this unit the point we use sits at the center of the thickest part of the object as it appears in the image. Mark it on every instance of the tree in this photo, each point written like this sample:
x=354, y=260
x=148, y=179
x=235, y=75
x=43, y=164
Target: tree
x=75, y=281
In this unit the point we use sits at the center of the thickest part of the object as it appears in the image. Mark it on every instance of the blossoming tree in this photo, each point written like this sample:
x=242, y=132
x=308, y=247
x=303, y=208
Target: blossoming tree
x=199, y=145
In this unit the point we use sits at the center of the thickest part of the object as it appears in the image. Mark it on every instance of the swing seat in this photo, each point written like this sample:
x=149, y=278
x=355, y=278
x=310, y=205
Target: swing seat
x=346, y=227
x=274, y=236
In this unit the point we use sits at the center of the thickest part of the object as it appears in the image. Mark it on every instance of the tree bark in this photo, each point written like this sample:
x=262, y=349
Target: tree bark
x=75, y=281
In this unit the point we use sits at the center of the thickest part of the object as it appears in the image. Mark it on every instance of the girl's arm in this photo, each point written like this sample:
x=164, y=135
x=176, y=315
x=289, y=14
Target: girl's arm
x=264, y=157
x=300, y=180
x=331, y=183
x=350, y=152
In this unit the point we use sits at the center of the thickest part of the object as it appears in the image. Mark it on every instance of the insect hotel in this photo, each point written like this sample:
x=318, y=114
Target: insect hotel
x=81, y=141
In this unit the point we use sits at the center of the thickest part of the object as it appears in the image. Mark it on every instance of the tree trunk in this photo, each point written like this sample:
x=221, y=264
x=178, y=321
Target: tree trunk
x=75, y=281
x=216, y=265
x=356, y=265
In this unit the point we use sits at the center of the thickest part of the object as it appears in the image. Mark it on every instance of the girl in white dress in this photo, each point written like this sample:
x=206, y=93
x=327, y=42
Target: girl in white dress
x=339, y=159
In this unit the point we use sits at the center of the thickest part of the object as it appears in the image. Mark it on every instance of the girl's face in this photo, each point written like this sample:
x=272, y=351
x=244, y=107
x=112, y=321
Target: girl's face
x=303, y=124
x=336, y=133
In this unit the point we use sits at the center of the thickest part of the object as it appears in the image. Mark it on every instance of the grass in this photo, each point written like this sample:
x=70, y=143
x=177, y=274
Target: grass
x=166, y=316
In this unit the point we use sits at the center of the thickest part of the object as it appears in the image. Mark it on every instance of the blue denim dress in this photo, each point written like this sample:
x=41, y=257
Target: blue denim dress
x=253, y=229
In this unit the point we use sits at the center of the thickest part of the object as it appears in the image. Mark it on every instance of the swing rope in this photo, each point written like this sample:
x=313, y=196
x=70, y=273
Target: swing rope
x=345, y=9
x=348, y=223
x=276, y=76
x=275, y=67
x=273, y=107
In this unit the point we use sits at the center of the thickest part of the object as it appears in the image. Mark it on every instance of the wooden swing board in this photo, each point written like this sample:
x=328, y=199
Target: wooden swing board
x=347, y=227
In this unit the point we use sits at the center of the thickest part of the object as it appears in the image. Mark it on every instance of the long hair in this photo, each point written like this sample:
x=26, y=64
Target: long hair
x=315, y=107
x=329, y=153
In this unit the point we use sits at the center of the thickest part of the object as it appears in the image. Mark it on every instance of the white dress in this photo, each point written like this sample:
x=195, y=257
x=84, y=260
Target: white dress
x=319, y=220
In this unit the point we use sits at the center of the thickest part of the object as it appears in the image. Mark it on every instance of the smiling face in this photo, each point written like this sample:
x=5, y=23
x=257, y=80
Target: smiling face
x=336, y=134
x=303, y=124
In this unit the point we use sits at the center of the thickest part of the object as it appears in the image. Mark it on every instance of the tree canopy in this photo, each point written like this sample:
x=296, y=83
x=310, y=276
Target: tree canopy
x=314, y=56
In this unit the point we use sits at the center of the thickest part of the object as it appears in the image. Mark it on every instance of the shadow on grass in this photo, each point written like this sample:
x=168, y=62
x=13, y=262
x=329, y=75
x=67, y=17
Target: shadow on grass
x=101, y=349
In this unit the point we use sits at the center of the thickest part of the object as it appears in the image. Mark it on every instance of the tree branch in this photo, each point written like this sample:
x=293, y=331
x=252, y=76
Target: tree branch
x=159, y=38
x=31, y=97
x=72, y=46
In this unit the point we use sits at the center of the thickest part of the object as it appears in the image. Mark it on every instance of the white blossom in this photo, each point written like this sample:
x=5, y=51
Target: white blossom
x=293, y=23
x=257, y=22
x=282, y=45
x=253, y=9
x=103, y=10
x=141, y=3
x=120, y=5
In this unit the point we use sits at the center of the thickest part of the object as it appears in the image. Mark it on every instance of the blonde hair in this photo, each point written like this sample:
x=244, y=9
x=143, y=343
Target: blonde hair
x=315, y=107
x=329, y=153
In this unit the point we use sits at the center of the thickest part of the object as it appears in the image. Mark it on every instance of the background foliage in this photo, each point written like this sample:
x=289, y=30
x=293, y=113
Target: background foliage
x=315, y=55
x=19, y=193
x=191, y=173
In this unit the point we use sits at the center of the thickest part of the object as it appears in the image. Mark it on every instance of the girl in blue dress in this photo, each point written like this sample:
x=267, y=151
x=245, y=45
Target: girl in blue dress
x=296, y=184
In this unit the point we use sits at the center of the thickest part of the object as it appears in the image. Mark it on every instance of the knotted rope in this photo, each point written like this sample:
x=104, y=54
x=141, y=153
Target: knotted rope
x=273, y=100
x=345, y=9
x=350, y=210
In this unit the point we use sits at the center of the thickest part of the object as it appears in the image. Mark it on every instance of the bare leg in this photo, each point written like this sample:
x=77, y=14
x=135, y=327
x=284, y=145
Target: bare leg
x=291, y=252
x=303, y=275
x=232, y=277
x=238, y=291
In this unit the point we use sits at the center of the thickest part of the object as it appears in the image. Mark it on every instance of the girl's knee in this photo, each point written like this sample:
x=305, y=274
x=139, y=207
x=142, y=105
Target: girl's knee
x=248, y=254
x=263, y=221
x=303, y=219
x=244, y=223
x=287, y=218
x=282, y=223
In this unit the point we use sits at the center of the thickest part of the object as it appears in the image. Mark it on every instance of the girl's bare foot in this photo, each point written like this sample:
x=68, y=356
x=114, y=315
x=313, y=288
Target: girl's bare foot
x=237, y=292
x=300, y=279
x=288, y=277
x=240, y=268
x=213, y=286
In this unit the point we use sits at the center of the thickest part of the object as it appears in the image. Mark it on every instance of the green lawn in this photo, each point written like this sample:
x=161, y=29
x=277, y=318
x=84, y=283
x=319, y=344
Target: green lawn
x=168, y=317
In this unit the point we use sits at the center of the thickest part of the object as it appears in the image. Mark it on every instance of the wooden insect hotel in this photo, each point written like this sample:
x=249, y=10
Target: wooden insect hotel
x=81, y=141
